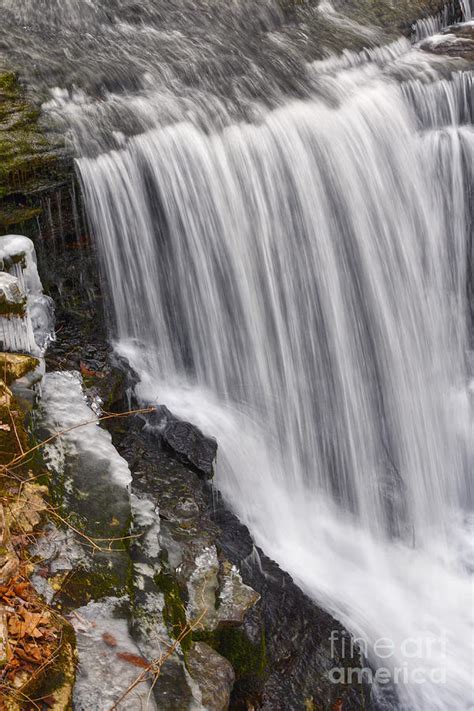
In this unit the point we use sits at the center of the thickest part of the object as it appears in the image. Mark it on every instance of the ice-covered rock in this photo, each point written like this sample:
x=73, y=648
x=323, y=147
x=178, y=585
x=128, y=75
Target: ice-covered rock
x=16, y=330
x=65, y=409
x=12, y=296
x=18, y=260
x=217, y=595
x=109, y=661
x=18, y=257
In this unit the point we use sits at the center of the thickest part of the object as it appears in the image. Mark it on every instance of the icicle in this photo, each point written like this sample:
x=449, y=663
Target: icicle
x=18, y=260
x=16, y=331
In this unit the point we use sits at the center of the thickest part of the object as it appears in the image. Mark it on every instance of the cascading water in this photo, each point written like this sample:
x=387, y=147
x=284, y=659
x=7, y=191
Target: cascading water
x=291, y=276
x=297, y=289
x=458, y=10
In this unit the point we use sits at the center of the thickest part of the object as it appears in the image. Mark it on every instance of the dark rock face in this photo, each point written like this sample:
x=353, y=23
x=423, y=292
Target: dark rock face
x=281, y=653
x=298, y=648
x=187, y=441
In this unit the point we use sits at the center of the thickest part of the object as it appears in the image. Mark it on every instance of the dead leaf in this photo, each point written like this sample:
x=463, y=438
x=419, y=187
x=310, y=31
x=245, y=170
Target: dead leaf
x=109, y=639
x=134, y=659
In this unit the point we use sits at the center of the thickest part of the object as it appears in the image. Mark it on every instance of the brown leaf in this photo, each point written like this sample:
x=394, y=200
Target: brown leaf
x=26, y=657
x=20, y=588
x=134, y=659
x=87, y=372
x=109, y=639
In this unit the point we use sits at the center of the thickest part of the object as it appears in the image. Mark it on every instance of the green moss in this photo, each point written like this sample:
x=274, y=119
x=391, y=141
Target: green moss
x=248, y=658
x=9, y=310
x=14, y=366
x=8, y=83
x=82, y=586
x=174, y=612
x=28, y=161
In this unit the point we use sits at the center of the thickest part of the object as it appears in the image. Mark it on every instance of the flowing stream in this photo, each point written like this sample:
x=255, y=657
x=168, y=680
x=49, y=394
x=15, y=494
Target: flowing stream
x=291, y=276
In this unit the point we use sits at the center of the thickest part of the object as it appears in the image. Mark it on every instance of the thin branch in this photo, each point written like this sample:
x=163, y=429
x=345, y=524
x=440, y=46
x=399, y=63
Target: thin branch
x=95, y=421
x=157, y=664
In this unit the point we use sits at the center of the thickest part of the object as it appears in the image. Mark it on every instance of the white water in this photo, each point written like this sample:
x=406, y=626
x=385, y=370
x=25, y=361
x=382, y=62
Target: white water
x=297, y=289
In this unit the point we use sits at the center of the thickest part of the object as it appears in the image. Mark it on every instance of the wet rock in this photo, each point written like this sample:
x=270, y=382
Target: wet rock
x=107, y=671
x=213, y=674
x=187, y=441
x=457, y=42
x=289, y=663
x=235, y=598
x=202, y=589
x=277, y=667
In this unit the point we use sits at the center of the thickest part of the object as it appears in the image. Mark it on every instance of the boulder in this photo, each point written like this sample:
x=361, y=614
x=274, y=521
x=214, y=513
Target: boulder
x=235, y=598
x=213, y=674
x=187, y=441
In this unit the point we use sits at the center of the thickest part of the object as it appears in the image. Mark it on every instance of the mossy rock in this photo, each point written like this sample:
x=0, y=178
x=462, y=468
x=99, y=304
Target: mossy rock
x=174, y=612
x=29, y=161
x=14, y=366
x=82, y=585
x=247, y=658
x=213, y=674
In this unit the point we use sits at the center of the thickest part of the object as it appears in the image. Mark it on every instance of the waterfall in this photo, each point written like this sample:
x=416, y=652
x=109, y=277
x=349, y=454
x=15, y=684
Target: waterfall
x=297, y=288
x=452, y=12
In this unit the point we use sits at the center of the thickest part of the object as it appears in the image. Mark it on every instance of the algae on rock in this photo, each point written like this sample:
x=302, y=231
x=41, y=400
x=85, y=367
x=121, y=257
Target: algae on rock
x=30, y=163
